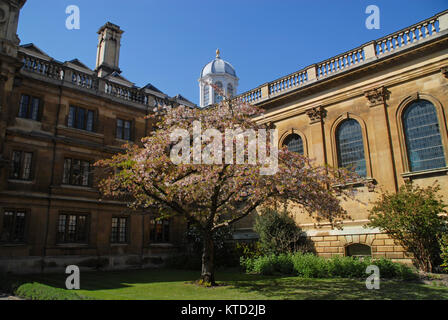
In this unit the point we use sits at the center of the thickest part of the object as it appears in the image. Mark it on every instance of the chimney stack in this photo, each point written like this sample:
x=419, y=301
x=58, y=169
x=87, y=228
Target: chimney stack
x=108, y=53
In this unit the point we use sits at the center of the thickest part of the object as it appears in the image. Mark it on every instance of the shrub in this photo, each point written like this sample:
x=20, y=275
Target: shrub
x=38, y=291
x=278, y=232
x=308, y=265
x=413, y=217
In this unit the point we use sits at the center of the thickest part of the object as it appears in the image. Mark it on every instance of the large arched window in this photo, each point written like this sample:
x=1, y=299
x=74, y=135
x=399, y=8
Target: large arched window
x=422, y=134
x=230, y=90
x=218, y=93
x=206, y=95
x=294, y=143
x=350, y=147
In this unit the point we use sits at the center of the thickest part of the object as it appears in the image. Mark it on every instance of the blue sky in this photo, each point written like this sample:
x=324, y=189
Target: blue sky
x=167, y=42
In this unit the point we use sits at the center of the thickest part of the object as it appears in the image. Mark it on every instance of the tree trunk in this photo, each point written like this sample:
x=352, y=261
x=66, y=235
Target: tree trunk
x=208, y=267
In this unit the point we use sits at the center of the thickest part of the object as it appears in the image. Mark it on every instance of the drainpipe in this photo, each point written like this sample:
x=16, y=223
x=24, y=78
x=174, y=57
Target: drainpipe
x=50, y=190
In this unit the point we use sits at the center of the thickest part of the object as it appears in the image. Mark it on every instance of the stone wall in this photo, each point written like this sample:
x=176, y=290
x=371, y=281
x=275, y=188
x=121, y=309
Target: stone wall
x=381, y=244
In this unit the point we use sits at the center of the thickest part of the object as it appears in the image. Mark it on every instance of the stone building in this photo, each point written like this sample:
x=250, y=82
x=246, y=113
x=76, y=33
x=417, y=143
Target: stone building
x=380, y=108
x=57, y=119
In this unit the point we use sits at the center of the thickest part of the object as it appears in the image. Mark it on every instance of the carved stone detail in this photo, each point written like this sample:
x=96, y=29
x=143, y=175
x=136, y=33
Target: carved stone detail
x=444, y=71
x=377, y=96
x=316, y=114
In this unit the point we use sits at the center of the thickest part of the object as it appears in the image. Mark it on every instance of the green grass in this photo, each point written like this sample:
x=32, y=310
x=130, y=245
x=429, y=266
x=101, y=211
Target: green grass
x=177, y=285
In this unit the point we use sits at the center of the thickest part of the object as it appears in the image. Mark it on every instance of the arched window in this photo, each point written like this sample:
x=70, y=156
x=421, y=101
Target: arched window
x=422, y=134
x=358, y=250
x=294, y=143
x=218, y=96
x=206, y=95
x=230, y=90
x=350, y=147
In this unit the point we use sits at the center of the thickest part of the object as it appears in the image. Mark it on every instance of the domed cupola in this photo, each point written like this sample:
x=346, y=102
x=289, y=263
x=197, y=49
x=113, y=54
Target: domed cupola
x=221, y=74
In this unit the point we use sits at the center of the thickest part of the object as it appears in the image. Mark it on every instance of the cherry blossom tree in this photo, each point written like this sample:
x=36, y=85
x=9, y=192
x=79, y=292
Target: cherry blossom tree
x=214, y=195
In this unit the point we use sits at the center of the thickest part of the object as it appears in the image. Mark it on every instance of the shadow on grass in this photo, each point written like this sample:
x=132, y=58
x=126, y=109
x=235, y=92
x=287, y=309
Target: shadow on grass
x=339, y=289
x=266, y=287
x=104, y=280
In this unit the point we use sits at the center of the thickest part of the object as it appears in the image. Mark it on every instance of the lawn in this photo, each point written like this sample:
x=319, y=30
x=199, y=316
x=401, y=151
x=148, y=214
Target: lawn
x=177, y=285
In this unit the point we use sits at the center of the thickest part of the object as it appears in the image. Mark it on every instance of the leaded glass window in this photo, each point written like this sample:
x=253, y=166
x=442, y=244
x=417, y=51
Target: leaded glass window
x=80, y=118
x=294, y=143
x=72, y=228
x=29, y=107
x=422, y=133
x=350, y=147
x=13, y=226
x=119, y=230
x=77, y=172
x=21, y=165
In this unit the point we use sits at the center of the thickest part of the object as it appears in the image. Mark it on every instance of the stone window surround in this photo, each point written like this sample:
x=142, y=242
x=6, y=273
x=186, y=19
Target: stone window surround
x=407, y=173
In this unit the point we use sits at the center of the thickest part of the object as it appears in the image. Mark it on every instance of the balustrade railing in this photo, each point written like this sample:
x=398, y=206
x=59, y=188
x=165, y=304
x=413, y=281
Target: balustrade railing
x=48, y=69
x=84, y=80
x=291, y=81
x=429, y=28
x=340, y=62
x=251, y=96
x=399, y=39
x=129, y=94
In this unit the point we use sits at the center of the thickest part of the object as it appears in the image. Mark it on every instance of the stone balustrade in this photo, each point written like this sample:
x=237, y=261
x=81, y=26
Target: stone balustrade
x=58, y=71
x=340, y=62
x=47, y=69
x=429, y=28
x=407, y=36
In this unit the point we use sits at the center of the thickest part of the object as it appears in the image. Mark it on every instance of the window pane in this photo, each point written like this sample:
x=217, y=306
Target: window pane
x=19, y=232
x=90, y=121
x=351, y=147
x=119, y=129
x=76, y=172
x=81, y=118
x=71, y=117
x=294, y=143
x=230, y=90
x=81, y=229
x=122, y=230
x=85, y=168
x=206, y=95
x=24, y=104
x=71, y=235
x=423, y=141
x=15, y=164
x=127, y=130
x=218, y=96
x=114, y=231
x=27, y=158
x=8, y=225
x=61, y=227
x=35, y=108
